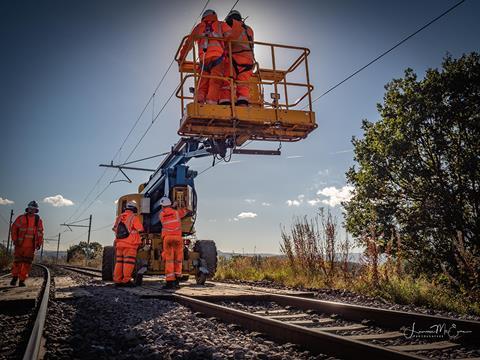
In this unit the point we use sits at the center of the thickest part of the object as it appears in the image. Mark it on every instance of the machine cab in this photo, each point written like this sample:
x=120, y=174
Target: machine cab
x=280, y=74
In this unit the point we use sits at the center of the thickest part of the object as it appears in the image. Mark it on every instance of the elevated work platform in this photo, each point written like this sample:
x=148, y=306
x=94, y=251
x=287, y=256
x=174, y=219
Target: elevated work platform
x=248, y=123
x=269, y=118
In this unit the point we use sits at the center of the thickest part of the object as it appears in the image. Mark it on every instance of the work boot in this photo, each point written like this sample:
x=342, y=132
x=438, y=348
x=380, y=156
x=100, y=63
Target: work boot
x=129, y=284
x=169, y=285
x=224, y=103
x=21, y=283
x=13, y=282
x=176, y=283
x=241, y=103
x=118, y=284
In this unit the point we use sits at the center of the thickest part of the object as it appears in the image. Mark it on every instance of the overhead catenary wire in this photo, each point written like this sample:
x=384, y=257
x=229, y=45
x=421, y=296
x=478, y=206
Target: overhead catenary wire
x=151, y=98
x=388, y=51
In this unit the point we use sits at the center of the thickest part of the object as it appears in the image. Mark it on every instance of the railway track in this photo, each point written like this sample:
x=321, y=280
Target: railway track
x=83, y=270
x=337, y=329
x=26, y=311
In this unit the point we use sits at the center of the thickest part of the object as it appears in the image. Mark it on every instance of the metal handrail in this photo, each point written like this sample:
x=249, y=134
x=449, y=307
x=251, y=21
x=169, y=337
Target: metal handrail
x=302, y=58
x=179, y=95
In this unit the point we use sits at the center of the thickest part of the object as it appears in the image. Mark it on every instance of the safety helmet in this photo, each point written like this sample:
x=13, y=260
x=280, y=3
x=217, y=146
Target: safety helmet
x=208, y=12
x=165, y=201
x=131, y=205
x=32, y=205
x=235, y=14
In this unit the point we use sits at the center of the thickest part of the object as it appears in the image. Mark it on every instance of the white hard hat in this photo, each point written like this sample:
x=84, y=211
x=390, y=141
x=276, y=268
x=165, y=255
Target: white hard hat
x=132, y=205
x=165, y=201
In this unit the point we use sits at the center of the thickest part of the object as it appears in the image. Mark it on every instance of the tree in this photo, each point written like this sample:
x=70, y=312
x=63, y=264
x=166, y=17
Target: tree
x=418, y=172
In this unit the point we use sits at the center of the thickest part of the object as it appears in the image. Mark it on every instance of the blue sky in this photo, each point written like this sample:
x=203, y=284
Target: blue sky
x=76, y=74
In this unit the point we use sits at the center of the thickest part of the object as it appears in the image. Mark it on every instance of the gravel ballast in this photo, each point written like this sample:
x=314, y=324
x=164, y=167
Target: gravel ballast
x=113, y=323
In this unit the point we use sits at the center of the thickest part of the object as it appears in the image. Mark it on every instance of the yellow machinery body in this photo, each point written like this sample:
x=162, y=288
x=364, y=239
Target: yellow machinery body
x=152, y=244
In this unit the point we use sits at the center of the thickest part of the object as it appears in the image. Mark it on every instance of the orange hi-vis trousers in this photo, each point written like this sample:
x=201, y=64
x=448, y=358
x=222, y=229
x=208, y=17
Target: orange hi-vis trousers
x=22, y=262
x=209, y=89
x=173, y=255
x=124, y=264
x=241, y=81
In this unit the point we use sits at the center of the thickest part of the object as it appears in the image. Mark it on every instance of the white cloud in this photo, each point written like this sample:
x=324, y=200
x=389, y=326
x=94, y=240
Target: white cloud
x=342, y=152
x=295, y=157
x=250, y=201
x=325, y=172
x=335, y=195
x=58, y=201
x=314, y=202
x=212, y=220
x=6, y=201
x=266, y=204
x=293, y=203
x=296, y=202
x=245, y=215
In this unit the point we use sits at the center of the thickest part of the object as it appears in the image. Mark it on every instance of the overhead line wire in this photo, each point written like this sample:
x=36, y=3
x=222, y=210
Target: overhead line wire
x=133, y=127
x=389, y=50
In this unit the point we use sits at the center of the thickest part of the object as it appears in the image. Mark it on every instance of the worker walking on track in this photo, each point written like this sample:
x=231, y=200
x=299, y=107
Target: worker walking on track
x=243, y=60
x=211, y=55
x=172, y=242
x=27, y=236
x=127, y=240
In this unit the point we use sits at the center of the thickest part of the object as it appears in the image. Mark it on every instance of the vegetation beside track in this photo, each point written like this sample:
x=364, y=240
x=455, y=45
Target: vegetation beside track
x=405, y=289
x=415, y=202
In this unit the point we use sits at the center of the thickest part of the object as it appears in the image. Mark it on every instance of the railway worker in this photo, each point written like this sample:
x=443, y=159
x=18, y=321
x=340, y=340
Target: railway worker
x=27, y=236
x=127, y=241
x=211, y=55
x=243, y=60
x=172, y=242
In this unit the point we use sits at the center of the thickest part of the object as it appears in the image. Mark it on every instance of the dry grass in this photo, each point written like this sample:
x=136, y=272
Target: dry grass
x=403, y=290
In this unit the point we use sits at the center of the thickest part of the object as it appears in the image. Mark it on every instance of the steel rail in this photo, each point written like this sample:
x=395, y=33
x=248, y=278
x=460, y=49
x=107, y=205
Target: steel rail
x=85, y=271
x=32, y=351
x=315, y=341
x=385, y=318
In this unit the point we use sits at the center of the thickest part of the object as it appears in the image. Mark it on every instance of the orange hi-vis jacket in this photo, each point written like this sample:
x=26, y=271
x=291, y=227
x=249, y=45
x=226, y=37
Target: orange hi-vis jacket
x=171, y=220
x=242, y=52
x=208, y=49
x=134, y=226
x=24, y=232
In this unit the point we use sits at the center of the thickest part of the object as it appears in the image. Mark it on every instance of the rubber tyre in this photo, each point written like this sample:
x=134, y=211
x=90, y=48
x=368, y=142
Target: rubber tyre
x=108, y=263
x=208, y=251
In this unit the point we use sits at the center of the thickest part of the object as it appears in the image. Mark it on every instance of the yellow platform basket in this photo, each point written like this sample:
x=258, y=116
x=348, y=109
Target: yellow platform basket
x=273, y=118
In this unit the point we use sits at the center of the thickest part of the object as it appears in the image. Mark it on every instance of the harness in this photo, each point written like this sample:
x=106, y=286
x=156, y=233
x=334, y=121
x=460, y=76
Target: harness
x=244, y=48
x=209, y=32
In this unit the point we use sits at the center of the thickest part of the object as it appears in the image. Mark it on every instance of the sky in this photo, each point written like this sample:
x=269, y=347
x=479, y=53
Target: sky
x=76, y=75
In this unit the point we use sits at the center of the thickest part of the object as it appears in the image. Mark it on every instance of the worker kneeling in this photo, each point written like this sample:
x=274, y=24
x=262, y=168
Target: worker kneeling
x=172, y=242
x=242, y=60
x=127, y=240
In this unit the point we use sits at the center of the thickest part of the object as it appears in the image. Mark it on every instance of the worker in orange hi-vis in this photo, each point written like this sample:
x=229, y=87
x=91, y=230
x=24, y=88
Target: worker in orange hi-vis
x=127, y=241
x=172, y=242
x=242, y=60
x=210, y=53
x=27, y=236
